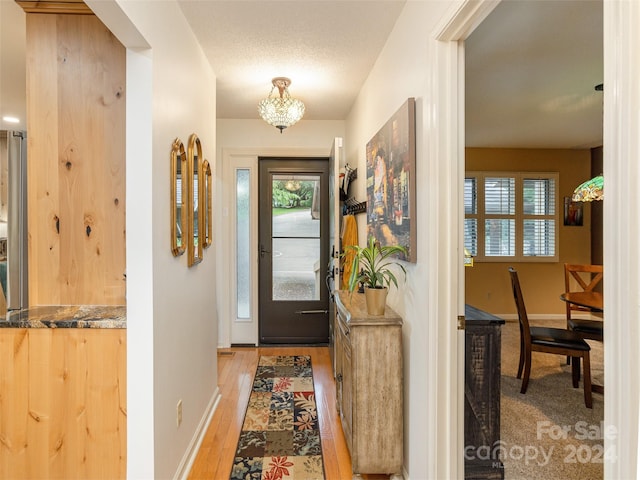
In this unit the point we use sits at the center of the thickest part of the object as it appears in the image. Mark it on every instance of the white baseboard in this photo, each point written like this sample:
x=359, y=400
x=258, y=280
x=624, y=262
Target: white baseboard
x=194, y=445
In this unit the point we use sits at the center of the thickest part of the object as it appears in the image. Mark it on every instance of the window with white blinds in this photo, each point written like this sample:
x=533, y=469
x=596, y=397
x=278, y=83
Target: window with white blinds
x=511, y=216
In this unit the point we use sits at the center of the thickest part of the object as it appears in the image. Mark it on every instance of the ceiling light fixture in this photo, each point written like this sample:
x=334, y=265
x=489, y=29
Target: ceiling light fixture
x=590, y=190
x=281, y=111
x=292, y=185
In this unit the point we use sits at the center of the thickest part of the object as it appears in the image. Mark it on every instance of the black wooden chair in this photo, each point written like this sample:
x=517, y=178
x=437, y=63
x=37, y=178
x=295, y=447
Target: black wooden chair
x=557, y=341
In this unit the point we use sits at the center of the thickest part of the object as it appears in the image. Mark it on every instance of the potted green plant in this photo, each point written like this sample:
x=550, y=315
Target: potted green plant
x=371, y=267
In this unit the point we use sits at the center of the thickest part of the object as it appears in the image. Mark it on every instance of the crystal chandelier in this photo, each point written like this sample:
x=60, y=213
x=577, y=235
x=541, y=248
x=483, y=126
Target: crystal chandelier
x=292, y=185
x=281, y=111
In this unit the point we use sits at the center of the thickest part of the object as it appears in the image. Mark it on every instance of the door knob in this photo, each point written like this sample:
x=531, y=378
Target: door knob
x=263, y=251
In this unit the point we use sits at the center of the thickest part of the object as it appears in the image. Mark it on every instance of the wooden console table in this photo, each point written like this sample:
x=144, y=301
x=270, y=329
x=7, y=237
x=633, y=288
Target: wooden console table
x=369, y=385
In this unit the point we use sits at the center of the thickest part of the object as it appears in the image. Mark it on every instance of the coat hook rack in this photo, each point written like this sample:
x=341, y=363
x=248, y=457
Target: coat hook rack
x=350, y=174
x=353, y=207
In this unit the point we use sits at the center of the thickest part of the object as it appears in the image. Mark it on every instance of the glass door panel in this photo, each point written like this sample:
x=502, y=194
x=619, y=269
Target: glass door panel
x=293, y=237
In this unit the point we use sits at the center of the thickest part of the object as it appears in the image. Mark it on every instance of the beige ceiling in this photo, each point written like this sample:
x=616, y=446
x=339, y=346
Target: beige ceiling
x=326, y=48
x=531, y=65
x=531, y=72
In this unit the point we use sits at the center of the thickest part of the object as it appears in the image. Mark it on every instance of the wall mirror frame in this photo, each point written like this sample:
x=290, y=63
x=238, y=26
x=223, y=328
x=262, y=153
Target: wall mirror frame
x=207, y=194
x=178, y=197
x=195, y=213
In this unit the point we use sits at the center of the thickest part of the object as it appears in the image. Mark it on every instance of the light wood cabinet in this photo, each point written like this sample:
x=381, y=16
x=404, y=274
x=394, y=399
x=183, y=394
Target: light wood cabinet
x=368, y=363
x=63, y=403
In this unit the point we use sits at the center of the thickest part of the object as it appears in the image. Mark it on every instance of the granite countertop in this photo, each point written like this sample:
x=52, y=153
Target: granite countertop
x=67, y=316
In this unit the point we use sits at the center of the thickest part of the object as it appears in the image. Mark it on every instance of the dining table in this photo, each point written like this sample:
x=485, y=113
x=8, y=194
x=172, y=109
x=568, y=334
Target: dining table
x=592, y=300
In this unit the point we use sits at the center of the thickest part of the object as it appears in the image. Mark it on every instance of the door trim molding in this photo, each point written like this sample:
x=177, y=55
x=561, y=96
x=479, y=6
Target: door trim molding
x=224, y=221
x=621, y=228
x=446, y=440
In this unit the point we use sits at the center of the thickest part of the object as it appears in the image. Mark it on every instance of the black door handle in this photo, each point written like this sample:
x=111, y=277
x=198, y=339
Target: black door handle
x=263, y=251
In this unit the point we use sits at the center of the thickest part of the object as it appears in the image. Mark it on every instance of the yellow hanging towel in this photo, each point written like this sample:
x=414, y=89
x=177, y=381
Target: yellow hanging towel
x=349, y=237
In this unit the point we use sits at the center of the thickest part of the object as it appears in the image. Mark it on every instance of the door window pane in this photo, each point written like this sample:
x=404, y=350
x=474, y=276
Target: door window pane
x=295, y=237
x=296, y=269
x=243, y=268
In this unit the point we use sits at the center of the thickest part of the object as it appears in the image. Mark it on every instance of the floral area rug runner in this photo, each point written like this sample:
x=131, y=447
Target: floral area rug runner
x=280, y=437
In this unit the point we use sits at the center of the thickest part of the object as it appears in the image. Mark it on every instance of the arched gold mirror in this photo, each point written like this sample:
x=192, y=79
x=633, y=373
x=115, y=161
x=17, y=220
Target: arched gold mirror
x=178, y=197
x=195, y=235
x=207, y=193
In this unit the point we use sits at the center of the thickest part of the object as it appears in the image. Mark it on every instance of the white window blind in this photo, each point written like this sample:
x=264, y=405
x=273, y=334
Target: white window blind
x=499, y=213
x=511, y=216
x=539, y=214
x=471, y=215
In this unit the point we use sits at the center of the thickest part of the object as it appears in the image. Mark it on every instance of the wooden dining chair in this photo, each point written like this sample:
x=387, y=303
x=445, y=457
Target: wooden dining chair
x=582, y=278
x=557, y=341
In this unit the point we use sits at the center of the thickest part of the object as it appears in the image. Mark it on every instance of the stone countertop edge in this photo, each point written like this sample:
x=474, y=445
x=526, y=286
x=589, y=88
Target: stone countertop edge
x=67, y=316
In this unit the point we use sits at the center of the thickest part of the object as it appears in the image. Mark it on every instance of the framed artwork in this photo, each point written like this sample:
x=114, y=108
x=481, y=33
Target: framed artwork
x=207, y=203
x=191, y=201
x=178, y=197
x=195, y=210
x=391, y=180
x=572, y=213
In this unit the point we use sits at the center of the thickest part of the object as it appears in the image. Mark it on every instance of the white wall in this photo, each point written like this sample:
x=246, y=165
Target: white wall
x=234, y=133
x=171, y=309
x=406, y=69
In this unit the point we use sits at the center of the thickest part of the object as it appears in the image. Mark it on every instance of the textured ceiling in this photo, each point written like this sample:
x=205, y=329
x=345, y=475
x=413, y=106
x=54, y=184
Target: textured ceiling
x=326, y=48
x=531, y=72
x=531, y=65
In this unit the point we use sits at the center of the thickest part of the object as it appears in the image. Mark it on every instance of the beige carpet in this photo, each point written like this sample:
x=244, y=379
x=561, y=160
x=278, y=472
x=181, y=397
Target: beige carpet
x=548, y=433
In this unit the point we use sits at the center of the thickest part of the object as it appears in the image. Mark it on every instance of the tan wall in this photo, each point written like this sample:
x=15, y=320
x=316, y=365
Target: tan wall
x=487, y=284
x=75, y=161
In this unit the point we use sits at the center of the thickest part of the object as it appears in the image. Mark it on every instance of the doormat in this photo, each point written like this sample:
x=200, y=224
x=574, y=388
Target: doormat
x=280, y=437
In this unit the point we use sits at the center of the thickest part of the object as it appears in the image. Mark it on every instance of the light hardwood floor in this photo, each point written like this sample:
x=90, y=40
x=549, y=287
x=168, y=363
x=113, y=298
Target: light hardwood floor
x=236, y=367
